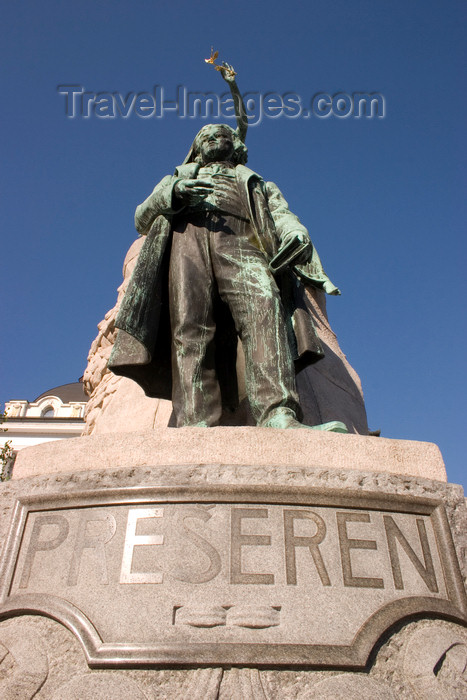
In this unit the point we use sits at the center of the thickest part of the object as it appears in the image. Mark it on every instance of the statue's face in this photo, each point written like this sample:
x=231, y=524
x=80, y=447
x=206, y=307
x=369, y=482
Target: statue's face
x=215, y=144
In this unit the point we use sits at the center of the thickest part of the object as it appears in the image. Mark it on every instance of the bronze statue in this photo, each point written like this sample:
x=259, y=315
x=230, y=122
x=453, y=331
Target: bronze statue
x=215, y=230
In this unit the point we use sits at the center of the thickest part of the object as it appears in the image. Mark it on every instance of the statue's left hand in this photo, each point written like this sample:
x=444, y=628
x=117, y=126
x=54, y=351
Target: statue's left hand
x=300, y=237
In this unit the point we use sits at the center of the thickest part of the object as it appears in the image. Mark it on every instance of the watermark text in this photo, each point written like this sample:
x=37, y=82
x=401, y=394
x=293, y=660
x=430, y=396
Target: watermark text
x=185, y=104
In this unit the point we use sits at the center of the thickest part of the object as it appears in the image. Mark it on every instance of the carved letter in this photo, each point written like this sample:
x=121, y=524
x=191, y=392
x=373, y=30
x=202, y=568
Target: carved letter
x=238, y=540
x=205, y=546
x=291, y=541
x=427, y=572
x=132, y=540
x=38, y=545
x=85, y=540
x=346, y=544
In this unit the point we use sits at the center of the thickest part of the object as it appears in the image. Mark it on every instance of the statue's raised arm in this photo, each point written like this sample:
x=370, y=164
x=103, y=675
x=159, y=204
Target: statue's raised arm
x=228, y=73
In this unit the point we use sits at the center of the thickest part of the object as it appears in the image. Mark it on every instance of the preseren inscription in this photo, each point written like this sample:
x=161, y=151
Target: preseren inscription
x=288, y=574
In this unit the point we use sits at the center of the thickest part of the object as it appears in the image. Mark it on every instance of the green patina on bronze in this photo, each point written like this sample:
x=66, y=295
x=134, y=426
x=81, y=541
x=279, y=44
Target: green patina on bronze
x=203, y=280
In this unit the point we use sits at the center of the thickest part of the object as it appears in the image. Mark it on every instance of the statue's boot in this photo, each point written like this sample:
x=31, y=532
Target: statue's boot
x=286, y=420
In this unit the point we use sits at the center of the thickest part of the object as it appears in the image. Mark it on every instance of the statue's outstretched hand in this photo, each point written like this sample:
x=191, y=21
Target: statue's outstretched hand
x=192, y=191
x=227, y=72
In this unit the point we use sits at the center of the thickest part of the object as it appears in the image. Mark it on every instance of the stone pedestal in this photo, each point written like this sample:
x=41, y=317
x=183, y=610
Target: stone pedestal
x=232, y=563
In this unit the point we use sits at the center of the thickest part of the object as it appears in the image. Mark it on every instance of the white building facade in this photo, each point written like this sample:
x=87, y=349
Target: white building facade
x=54, y=415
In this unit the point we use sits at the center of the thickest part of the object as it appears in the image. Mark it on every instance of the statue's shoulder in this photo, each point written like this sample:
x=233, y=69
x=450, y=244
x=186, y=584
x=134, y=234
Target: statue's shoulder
x=187, y=171
x=274, y=193
x=245, y=174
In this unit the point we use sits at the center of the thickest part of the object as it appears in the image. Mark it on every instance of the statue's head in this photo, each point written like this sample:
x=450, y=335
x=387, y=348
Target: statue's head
x=216, y=142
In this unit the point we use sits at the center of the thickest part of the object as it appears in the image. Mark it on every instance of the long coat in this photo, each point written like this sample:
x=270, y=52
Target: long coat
x=142, y=349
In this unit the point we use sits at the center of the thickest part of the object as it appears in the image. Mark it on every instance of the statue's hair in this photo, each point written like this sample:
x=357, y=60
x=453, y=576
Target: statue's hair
x=240, y=152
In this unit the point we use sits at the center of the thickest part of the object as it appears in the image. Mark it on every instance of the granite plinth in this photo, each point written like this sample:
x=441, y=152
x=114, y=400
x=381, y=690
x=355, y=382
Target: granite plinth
x=170, y=564
x=247, y=447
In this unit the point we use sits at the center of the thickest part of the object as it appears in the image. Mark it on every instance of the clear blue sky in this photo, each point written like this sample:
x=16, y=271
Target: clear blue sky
x=384, y=199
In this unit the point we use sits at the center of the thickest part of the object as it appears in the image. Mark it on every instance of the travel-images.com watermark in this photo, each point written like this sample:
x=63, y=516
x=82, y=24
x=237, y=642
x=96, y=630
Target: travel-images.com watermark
x=80, y=103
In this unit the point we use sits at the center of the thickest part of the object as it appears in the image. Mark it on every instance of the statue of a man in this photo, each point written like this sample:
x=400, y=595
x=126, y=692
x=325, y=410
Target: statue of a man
x=203, y=280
